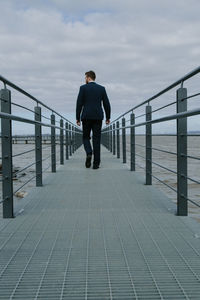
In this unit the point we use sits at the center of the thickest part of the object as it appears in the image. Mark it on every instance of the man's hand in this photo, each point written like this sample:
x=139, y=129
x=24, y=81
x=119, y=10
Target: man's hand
x=78, y=123
x=107, y=122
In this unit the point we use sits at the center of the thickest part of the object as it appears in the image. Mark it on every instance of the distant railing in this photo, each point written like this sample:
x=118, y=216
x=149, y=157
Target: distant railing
x=111, y=139
x=72, y=141
x=30, y=139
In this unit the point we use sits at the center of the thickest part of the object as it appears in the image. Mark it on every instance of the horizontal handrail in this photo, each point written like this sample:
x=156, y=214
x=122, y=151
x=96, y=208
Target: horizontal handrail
x=116, y=144
x=171, y=86
x=26, y=120
x=188, y=113
x=70, y=139
x=22, y=91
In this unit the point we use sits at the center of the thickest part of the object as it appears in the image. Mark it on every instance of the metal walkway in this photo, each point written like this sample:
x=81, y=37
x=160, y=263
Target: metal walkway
x=98, y=234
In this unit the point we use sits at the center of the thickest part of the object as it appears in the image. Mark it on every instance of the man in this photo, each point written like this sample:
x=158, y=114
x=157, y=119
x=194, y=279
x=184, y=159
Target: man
x=89, y=99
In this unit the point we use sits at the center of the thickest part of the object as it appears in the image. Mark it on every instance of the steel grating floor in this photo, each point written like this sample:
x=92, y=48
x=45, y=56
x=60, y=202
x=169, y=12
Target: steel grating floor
x=98, y=234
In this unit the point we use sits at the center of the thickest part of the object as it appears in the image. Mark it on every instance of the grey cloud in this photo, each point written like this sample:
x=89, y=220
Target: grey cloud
x=135, y=47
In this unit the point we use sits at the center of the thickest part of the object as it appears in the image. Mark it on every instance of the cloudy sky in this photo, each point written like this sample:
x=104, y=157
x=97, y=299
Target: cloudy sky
x=136, y=48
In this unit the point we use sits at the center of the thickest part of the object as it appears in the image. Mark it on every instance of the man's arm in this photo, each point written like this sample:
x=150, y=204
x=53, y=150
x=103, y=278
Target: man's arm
x=79, y=104
x=106, y=104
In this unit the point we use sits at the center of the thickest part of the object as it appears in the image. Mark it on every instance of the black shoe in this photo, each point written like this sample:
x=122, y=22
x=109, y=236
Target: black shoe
x=95, y=165
x=88, y=161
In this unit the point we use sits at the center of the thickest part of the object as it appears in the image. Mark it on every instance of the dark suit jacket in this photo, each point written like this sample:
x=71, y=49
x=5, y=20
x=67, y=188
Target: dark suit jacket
x=89, y=98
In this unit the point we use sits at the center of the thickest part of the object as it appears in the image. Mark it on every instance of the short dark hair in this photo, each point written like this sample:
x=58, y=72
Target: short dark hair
x=91, y=74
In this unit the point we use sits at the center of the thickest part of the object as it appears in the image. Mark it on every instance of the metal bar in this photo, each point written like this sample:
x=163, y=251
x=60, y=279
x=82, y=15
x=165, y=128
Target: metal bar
x=38, y=146
x=17, y=88
x=25, y=183
x=163, y=167
x=21, y=106
x=123, y=140
x=53, y=145
x=132, y=142
x=105, y=137
x=70, y=140
x=21, y=153
x=167, y=105
x=140, y=145
x=19, y=171
x=25, y=120
x=140, y=166
x=118, y=141
x=179, y=81
x=73, y=140
x=114, y=146
x=182, y=205
x=165, y=151
x=192, y=157
x=61, y=143
x=193, y=180
x=142, y=115
x=28, y=109
x=164, y=183
x=108, y=138
x=108, y=129
x=189, y=113
x=6, y=144
x=194, y=95
x=144, y=157
x=111, y=146
x=67, y=140
x=148, y=146
x=193, y=202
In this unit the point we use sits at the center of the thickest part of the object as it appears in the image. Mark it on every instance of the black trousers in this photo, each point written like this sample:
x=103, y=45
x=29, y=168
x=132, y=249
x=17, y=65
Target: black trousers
x=95, y=126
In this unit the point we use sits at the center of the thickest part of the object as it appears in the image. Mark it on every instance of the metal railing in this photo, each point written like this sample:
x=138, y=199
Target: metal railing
x=112, y=141
x=69, y=140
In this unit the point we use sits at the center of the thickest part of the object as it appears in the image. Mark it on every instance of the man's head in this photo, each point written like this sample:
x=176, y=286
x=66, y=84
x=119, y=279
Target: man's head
x=90, y=75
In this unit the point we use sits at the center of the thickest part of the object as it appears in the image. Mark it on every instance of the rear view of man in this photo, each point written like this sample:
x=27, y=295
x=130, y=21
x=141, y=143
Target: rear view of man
x=89, y=100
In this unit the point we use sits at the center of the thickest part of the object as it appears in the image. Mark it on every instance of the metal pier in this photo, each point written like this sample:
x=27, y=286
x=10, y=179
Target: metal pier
x=98, y=234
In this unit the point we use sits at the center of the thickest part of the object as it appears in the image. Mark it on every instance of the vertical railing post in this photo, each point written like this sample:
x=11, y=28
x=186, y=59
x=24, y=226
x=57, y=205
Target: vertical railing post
x=118, y=140
x=111, y=133
x=148, y=146
x=80, y=138
x=102, y=136
x=38, y=146
x=114, y=146
x=74, y=130
x=61, y=143
x=70, y=140
x=53, y=145
x=132, y=142
x=182, y=192
x=6, y=140
x=74, y=138
x=107, y=138
x=124, y=139
x=66, y=140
